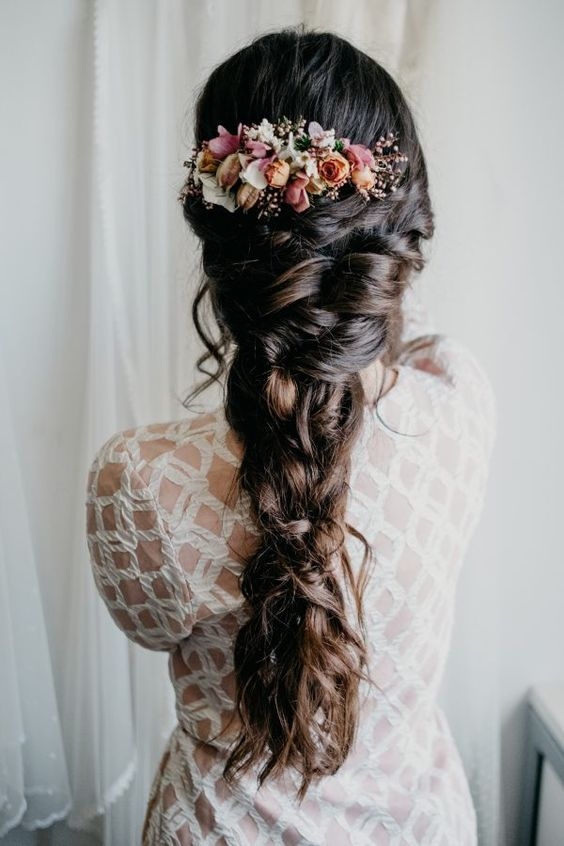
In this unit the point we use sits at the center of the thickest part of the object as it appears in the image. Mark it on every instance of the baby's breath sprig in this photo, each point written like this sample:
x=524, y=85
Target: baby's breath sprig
x=269, y=204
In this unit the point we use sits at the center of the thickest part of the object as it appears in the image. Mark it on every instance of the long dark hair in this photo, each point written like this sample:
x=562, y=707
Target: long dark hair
x=303, y=302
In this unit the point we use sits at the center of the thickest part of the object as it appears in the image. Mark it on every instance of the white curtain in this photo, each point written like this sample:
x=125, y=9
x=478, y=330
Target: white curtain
x=150, y=57
x=34, y=786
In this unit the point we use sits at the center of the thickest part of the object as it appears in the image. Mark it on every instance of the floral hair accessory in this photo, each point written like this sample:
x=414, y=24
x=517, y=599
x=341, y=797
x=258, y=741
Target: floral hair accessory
x=267, y=164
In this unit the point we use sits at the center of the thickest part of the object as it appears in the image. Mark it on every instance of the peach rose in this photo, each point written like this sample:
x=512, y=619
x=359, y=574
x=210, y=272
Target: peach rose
x=228, y=171
x=363, y=177
x=277, y=173
x=247, y=195
x=206, y=161
x=333, y=169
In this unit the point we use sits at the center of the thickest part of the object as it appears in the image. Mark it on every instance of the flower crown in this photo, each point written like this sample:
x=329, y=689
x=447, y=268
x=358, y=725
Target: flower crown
x=267, y=164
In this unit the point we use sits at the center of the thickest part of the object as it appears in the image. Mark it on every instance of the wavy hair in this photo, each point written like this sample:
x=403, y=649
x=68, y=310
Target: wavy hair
x=302, y=303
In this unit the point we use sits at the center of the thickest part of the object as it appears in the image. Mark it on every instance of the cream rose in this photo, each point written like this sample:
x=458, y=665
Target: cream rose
x=277, y=173
x=363, y=177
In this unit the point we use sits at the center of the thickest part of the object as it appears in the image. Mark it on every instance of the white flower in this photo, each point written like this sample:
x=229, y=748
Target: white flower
x=276, y=143
x=254, y=131
x=299, y=159
x=214, y=193
x=253, y=175
x=265, y=133
x=310, y=167
x=320, y=137
x=302, y=161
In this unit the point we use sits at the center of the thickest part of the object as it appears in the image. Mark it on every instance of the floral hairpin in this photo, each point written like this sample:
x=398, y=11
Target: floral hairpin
x=267, y=164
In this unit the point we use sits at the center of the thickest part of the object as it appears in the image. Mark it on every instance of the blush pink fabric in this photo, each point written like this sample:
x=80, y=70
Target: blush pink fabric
x=165, y=540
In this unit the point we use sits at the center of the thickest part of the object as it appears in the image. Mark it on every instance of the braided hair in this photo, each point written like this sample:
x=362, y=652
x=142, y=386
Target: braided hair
x=302, y=304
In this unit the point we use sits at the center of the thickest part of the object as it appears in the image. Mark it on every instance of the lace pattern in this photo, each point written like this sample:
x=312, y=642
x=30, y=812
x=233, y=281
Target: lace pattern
x=166, y=546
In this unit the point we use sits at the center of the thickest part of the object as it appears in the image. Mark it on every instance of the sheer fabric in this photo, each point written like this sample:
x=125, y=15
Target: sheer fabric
x=166, y=547
x=34, y=786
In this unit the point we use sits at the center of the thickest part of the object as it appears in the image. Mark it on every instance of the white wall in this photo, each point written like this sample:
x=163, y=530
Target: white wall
x=525, y=520
x=513, y=316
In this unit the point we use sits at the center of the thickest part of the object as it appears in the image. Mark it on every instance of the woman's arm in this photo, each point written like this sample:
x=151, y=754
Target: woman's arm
x=132, y=556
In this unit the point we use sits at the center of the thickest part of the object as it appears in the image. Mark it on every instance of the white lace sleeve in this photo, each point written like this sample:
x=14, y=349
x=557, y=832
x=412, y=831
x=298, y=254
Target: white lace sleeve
x=133, y=559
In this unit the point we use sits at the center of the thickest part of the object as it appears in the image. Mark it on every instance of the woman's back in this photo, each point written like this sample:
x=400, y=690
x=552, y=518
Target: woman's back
x=167, y=539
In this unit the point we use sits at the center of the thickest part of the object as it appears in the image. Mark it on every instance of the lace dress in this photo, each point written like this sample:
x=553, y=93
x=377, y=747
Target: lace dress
x=165, y=543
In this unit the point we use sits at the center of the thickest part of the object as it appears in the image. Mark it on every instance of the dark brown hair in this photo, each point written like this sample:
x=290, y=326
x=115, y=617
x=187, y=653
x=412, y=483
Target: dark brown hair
x=303, y=302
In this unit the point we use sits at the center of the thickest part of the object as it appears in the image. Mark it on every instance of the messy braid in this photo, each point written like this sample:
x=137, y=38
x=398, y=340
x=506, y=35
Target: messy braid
x=303, y=304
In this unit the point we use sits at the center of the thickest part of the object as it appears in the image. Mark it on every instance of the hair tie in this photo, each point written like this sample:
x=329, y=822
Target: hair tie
x=267, y=164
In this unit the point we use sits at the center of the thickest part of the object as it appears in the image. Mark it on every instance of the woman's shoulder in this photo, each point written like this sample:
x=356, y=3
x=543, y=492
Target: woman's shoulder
x=441, y=386
x=465, y=382
x=442, y=371
x=186, y=440
x=179, y=462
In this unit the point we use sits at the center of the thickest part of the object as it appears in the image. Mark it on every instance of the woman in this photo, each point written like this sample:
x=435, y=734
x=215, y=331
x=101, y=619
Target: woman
x=297, y=549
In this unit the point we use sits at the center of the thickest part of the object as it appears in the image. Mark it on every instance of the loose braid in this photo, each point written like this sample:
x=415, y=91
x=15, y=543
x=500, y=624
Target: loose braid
x=304, y=303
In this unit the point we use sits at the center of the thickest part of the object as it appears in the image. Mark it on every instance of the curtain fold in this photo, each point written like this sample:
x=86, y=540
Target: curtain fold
x=34, y=784
x=119, y=704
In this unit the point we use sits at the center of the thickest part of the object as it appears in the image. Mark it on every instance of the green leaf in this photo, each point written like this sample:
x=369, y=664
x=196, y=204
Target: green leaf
x=302, y=142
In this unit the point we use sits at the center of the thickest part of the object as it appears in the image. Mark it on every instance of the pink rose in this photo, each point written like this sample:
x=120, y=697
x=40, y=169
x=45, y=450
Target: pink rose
x=358, y=155
x=295, y=193
x=225, y=143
